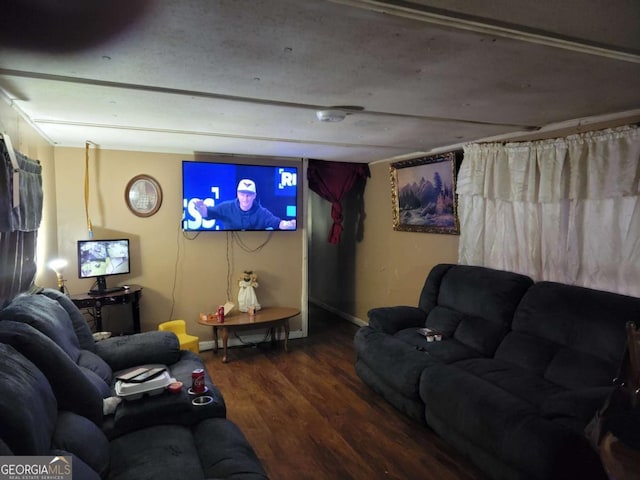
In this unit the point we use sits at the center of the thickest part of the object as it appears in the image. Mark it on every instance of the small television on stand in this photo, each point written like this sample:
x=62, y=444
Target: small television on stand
x=101, y=259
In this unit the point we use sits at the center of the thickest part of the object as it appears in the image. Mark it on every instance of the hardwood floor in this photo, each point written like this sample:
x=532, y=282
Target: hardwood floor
x=309, y=416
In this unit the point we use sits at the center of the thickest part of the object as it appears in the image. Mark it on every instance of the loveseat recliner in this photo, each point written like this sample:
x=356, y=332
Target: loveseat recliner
x=471, y=307
x=521, y=370
x=55, y=315
x=33, y=424
x=52, y=400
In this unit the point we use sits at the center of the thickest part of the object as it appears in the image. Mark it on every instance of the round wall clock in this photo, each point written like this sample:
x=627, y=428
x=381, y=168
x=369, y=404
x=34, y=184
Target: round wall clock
x=143, y=195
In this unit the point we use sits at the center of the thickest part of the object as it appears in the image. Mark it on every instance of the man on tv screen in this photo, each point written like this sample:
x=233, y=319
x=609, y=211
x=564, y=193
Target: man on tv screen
x=243, y=212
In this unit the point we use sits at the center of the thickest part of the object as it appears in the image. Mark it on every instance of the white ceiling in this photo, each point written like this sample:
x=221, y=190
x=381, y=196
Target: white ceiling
x=247, y=76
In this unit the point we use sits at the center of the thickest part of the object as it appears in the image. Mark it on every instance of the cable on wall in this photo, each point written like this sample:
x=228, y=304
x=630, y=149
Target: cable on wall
x=86, y=187
x=229, y=265
x=232, y=238
x=245, y=247
x=176, y=265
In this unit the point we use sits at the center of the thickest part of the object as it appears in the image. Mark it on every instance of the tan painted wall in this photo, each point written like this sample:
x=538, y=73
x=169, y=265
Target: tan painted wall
x=393, y=265
x=182, y=274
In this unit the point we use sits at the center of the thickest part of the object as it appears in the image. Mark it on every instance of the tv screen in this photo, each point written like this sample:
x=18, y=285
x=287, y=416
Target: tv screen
x=100, y=259
x=235, y=197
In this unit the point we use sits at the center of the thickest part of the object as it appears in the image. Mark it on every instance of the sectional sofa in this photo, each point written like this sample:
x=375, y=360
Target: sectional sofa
x=57, y=399
x=520, y=371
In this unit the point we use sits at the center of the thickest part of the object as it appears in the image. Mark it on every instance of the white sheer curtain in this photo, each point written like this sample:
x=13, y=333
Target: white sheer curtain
x=566, y=210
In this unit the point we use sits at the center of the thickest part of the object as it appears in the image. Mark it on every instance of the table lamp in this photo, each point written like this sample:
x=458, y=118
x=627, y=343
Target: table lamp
x=57, y=265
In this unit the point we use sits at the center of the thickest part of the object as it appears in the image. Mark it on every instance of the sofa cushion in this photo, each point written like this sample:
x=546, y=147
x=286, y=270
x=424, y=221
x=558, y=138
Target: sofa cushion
x=411, y=406
x=164, y=451
x=213, y=448
x=80, y=326
x=475, y=304
x=97, y=382
x=573, y=336
x=51, y=318
x=67, y=381
x=447, y=350
x=80, y=469
x=523, y=384
x=139, y=349
x=443, y=319
x=396, y=362
x=224, y=450
x=483, y=415
x=392, y=319
x=4, y=448
x=81, y=437
x=93, y=362
x=526, y=351
x=431, y=288
x=580, y=405
x=28, y=408
x=47, y=316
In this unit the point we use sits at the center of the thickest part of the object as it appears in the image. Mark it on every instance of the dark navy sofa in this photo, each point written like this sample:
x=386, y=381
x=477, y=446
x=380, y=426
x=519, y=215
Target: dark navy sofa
x=521, y=370
x=54, y=380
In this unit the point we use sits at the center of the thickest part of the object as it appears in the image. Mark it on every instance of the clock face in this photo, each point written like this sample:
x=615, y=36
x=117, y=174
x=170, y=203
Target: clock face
x=143, y=195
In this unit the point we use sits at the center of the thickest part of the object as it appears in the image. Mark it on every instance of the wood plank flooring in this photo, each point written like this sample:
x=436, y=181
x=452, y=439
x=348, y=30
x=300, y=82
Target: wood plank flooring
x=309, y=416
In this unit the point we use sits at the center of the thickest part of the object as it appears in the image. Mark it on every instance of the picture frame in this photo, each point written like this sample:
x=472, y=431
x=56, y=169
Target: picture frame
x=423, y=194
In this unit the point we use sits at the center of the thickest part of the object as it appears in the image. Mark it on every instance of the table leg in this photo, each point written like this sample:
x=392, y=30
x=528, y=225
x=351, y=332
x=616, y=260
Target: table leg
x=225, y=338
x=135, y=312
x=97, y=313
x=215, y=340
x=286, y=335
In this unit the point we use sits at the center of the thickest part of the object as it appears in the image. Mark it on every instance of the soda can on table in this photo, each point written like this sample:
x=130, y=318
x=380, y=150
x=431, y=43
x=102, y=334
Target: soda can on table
x=220, y=314
x=197, y=380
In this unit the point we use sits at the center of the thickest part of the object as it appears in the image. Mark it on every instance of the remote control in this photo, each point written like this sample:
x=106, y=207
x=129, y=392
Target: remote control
x=127, y=376
x=148, y=375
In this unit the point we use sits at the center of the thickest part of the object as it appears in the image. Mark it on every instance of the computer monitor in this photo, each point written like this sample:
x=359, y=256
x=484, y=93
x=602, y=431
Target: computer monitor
x=100, y=259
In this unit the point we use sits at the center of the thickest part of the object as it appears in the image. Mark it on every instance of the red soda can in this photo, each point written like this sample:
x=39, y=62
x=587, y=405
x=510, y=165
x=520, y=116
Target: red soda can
x=197, y=380
x=220, y=314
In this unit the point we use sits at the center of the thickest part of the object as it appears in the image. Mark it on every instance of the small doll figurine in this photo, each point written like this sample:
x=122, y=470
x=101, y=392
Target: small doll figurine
x=247, y=295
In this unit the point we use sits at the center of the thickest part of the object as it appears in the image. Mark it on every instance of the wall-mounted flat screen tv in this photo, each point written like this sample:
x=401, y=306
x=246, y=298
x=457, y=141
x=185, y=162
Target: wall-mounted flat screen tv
x=100, y=259
x=235, y=197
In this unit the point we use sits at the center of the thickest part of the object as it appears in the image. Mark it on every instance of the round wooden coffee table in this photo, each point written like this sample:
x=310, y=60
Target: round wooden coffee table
x=270, y=317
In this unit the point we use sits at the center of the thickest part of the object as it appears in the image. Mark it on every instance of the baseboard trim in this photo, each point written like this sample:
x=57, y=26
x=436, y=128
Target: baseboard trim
x=339, y=313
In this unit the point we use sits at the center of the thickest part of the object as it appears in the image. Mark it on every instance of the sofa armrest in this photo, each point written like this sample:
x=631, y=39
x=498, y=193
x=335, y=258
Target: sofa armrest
x=393, y=319
x=139, y=349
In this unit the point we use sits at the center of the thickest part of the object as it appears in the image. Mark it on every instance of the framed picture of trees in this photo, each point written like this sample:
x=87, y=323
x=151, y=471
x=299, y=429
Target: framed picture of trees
x=423, y=194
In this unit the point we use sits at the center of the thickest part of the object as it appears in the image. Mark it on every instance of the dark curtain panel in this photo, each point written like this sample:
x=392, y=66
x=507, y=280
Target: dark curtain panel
x=17, y=264
x=332, y=181
x=20, y=214
x=21, y=180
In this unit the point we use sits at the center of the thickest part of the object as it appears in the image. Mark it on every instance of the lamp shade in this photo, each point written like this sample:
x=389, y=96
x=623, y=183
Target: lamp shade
x=57, y=264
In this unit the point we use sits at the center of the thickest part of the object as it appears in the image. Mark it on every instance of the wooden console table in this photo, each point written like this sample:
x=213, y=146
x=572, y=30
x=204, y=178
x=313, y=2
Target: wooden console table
x=271, y=317
x=129, y=295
